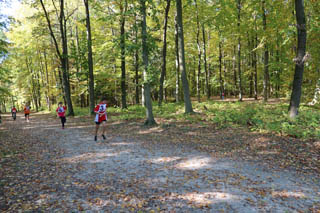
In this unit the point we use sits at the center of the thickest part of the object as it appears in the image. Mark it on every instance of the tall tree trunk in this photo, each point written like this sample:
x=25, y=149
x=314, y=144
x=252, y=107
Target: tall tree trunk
x=38, y=89
x=62, y=85
x=44, y=76
x=143, y=101
x=253, y=67
x=145, y=52
x=47, y=80
x=220, y=69
x=164, y=52
x=78, y=55
x=279, y=69
x=187, y=100
x=300, y=59
x=123, y=11
x=90, y=59
x=64, y=55
x=250, y=59
x=239, y=50
x=114, y=68
x=266, y=56
x=42, y=83
x=65, y=60
x=235, y=78
x=255, y=61
x=208, y=93
x=33, y=86
x=136, y=65
x=177, y=61
x=199, y=52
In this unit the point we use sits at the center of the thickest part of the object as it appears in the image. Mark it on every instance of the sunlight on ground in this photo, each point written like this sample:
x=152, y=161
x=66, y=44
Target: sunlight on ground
x=192, y=133
x=194, y=163
x=165, y=160
x=76, y=127
x=286, y=194
x=117, y=122
x=261, y=142
x=207, y=198
x=43, y=198
x=275, y=152
x=94, y=157
x=151, y=130
x=41, y=113
x=49, y=127
x=29, y=127
x=3, y=128
x=121, y=144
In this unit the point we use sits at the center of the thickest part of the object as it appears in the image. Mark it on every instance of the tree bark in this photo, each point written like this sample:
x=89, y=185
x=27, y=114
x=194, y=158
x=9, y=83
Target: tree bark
x=136, y=65
x=300, y=59
x=123, y=11
x=177, y=61
x=147, y=91
x=250, y=64
x=279, y=68
x=235, y=78
x=90, y=59
x=266, y=57
x=164, y=52
x=208, y=93
x=187, y=100
x=65, y=60
x=220, y=69
x=199, y=52
x=38, y=89
x=239, y=51
x=255, y=61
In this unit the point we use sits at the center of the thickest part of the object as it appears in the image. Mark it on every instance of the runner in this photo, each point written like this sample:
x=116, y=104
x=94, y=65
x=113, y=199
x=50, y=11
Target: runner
x=101, y=117
x=27, y=112
x=61, y=113
x=14, y=113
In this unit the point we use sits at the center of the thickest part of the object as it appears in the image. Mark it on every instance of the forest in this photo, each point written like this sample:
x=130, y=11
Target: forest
x=165, y=106
x=150, y=52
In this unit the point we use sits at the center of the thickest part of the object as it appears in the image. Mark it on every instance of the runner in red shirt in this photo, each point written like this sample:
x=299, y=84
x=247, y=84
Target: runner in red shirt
x=101, y=118
x=14, y=112
x=27, y=112
x=61, y=113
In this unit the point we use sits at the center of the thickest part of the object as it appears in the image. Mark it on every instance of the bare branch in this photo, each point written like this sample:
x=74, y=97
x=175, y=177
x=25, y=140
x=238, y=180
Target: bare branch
x=51, y=31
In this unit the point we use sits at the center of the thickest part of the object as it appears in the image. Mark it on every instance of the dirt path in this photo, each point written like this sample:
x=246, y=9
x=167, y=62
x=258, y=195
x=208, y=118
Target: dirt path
x=67, y=171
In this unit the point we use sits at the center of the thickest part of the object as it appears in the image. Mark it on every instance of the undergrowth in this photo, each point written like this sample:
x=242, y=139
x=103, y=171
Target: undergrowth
x=272, y=118
x=256, y=116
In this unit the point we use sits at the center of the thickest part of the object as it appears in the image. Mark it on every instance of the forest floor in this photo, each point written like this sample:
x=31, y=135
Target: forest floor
x=174, y=167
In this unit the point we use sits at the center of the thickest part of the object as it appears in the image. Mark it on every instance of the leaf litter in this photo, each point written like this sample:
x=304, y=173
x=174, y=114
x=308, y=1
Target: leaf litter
x=178, y=167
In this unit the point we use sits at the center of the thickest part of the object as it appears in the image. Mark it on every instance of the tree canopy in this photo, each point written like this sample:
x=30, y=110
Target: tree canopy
x=245, y=48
